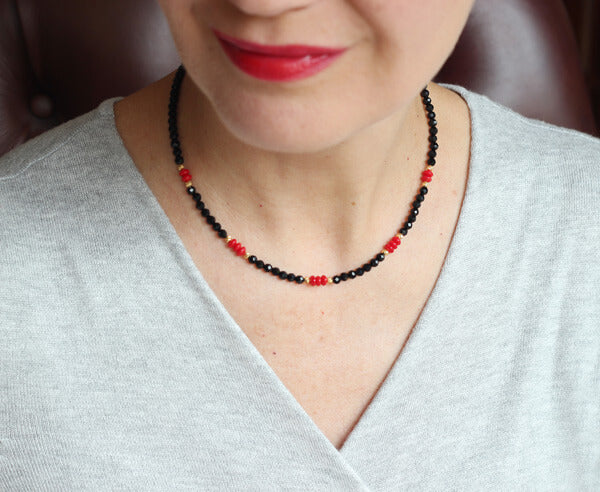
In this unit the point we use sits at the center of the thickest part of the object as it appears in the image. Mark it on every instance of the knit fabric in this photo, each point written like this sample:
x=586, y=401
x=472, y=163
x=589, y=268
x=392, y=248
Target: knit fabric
x=106, y=383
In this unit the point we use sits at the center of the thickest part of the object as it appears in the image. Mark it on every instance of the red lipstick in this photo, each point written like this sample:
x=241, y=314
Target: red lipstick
x=277, y=63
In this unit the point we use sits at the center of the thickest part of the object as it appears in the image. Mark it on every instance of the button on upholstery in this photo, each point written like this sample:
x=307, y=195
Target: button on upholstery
x=41, y=106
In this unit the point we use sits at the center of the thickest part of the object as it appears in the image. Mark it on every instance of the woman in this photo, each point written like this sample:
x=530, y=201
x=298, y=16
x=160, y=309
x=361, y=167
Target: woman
x=155, y=338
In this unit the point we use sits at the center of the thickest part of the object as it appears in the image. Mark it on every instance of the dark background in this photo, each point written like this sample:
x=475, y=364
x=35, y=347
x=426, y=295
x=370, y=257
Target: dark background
x=585, y=16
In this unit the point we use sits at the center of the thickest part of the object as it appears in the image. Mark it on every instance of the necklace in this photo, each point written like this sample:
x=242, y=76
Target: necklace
x=240, y=250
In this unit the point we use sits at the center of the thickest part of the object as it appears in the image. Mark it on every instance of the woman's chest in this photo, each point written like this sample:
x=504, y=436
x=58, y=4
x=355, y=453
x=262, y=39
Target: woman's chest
x=330, y=350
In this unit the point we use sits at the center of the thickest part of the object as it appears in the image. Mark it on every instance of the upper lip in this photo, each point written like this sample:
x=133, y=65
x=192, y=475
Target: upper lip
x=288, y=50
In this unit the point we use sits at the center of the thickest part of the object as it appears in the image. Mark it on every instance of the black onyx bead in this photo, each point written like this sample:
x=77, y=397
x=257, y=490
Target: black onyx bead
x=179, y=160
x=431, y=161
x=205, y=212
x=420, y=198
x=191, y=190
x=380, y=257
x=337, y=279
x=366, y=267
x=427, y=100
x=259, y=264
x=252, y=259
x=433, y=130
x=216, y=227
x=268, y=267
x=211, y=220
x=344, y=277
x=431, y=115
x=200, y=205
x=360, y=272
x=222, y=233
x=423, y=190
x=408, y=225
x=374, y=262
x=412, y=218
x=434, y=146
x=432, y=139
x=283, y=275
x=403, y=231
x=195, y=196
x=291, y=277
x=275, y=271
x=416, y=204
x=432, y=153
x=429, y=107
x=432, y=123
x=299, y=279
x=352, y=274
x=424, y=93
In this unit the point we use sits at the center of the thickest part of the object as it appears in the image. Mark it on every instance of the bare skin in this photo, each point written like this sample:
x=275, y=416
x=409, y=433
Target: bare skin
x=331, y=347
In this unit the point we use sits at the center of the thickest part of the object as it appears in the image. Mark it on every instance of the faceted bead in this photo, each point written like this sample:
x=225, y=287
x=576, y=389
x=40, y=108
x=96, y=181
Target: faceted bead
x=259, y=264
x=380, y=257
x=337, y=279
x=268, y=267
x=299, y=279
x=252, y=259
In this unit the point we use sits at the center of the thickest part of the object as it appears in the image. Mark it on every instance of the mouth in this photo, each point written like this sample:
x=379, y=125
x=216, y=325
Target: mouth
x=281, y=63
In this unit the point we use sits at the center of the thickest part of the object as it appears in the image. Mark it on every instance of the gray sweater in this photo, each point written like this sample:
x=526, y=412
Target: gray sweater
x=121, y=370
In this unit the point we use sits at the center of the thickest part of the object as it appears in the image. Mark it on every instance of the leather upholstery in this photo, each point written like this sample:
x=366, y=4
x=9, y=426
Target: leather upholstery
x=60, y=58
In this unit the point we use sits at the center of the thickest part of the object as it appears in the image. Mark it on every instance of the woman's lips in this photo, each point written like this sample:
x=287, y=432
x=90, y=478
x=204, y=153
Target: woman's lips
x=277, y=63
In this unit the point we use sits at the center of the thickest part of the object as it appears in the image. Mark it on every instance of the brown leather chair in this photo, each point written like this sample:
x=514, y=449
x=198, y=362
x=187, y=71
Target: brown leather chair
x=60, y=58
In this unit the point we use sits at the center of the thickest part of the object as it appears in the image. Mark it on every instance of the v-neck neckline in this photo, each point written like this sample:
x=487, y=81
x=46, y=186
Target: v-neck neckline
x=353, y=447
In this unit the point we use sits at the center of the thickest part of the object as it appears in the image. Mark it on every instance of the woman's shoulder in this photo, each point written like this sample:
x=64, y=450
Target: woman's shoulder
x=514, y=154
x=499, y=131
x=82, y=138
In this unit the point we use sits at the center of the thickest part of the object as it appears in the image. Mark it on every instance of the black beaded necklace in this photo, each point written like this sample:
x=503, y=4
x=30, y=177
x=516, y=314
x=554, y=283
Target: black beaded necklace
x=240, y=250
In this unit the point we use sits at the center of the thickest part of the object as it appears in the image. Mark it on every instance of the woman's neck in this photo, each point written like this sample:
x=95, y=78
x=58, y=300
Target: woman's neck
x=330, y=199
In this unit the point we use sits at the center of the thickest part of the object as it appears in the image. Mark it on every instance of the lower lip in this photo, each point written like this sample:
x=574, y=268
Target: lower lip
x=278, y=68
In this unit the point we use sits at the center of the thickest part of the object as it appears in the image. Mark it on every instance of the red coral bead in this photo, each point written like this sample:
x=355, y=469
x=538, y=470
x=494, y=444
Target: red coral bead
x=323, y=280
